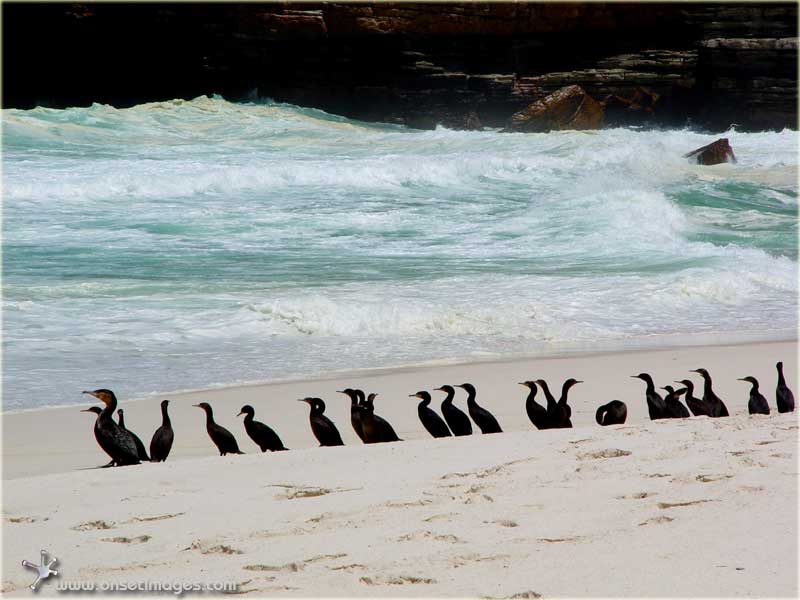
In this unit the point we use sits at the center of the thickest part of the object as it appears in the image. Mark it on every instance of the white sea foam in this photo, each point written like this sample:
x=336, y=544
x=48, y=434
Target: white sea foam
x=204, y=241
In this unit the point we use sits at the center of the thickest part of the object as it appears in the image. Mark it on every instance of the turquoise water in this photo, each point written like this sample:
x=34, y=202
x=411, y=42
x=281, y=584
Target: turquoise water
x=194, y=243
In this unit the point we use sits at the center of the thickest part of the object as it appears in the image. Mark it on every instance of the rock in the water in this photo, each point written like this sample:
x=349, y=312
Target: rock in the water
x=715, y=153
x=568, y=108
x=635, y=110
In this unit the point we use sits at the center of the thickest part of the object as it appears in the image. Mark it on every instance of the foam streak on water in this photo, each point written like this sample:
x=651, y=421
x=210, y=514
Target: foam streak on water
x=183, y=244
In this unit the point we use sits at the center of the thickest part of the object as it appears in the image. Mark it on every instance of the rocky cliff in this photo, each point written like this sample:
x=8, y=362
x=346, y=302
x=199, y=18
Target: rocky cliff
x=463, y=65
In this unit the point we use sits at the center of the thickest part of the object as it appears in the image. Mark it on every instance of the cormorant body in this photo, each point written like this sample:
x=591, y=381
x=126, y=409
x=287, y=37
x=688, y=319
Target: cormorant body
x=115, y=441
x=716, y=407
x=613, y=413
x=784, y=397
x=564, y=410
x=675, y=410
x=482, y=417
x=161, y=443
x=655, y=403
x=536, y=412
x=433, y=423
x=456, y=419
x=263, y=435
x=140, y=449
x=553, y=410
x=322, y=427
x=355, y=411
x=222, y=438
x=696, y=405
x=97, y=410
x=757, y=405
x=376, y=429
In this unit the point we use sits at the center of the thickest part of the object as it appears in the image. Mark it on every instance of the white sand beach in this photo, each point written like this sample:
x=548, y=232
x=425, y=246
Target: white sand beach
x=696, y=507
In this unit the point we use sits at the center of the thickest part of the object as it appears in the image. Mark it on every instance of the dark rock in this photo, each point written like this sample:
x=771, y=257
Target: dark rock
x=710, y=64
x=714, y=154
x=568, y=108
x=638, y=109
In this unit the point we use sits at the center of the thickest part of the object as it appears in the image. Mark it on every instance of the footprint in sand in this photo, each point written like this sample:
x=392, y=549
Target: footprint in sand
x=155, y=518
x=211, y=548
x=24, y=519
x=90, y=525
x=140, y=539
x=636, y=496
x=396, y=580
x=666, y=505
x=607, y=453
x=711, y=478
x=429, y=535
x=291, y=567
x=656, y=520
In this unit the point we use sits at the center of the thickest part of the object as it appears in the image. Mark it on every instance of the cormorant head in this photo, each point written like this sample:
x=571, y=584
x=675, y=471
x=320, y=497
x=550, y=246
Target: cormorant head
x=570, y=382
x=421, y=395
x=204, y=405
x=749, y=379
x=643, y=377
x=669, y=388
x=246, y=410
x=702, y=372
x=541, y=383
x=686, y=382
x=447, y=389
x=531, y=385
x=93, y=409
x=779, y=366
x=371, y=398
x=164, y=403
x=468, y=387
x=104, y=395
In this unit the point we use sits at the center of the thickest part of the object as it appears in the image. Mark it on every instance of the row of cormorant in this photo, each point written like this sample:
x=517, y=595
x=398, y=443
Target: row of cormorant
x=125, y=448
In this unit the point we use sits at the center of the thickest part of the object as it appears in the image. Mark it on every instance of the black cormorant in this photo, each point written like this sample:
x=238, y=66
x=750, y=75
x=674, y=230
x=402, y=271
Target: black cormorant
x=696, y=405
x=322, y=427
x=140, y=449
x=536, y=412
x=355, y=412
x=613, y=413
x=432, y=422
x=115, y=441
x=757, y=404
x=565, y=412
x=456, y=419
x=674, y=408
x=161, y=443
x=482, y=417
x=655, y=403
x=263, y=435
x=222, y=438
x=716, y=407
x=783, y=395
x=376, y=429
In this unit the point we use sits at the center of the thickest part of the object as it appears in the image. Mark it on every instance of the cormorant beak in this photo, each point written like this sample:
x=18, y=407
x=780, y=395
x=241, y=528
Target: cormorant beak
x=87, y=410
x=90, y=393
x=240, y=414
x=438, y=389
x=342, y=392
x=306, y=400
x=635, y=377
x=413, y=395
x=522, y=383
x=459, y=386
x=694, y=370
x=197, y=405
x=577, y=382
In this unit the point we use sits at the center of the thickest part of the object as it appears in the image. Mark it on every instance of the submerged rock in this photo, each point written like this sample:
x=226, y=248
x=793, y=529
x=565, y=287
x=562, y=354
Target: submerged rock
x=637, y=109
x=713, y=154
x=568, y=108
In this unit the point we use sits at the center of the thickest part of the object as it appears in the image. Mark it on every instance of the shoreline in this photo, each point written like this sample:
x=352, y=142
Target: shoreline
x=653, y=342
x=64, y=440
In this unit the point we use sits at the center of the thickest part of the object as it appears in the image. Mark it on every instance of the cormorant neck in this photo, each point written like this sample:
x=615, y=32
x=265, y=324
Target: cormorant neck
x=425, y=402
x=248, y=417
x=209, y=416
x=781, y=380
x=450, y=396
x=164, y=416
x=121, y=420
x=755, y=387
x=531, y=395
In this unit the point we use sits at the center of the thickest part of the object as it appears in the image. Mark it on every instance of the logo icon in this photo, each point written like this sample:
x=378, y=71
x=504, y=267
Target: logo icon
x=43, y=571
